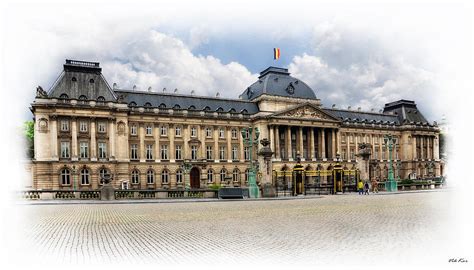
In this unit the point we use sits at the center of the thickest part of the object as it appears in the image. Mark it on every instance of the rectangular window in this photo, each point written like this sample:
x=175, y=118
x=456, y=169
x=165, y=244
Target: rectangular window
x=102, y=150
x=101, y=127
x=343, y=156
x=82, y=126
x=134, y=151
x=84, y=149
x=209, y=152
x=234, y=133
x=193, y=132
x=149, y=130
x=164, y=131
x=194, y=151
x=343, y=138
x=208, y=132
x=376, y=154
x=351, y=138
x=179, y=177
x=65, y=150
x=352, y=154
x=133, y=130
x=222, y=153
x=221, y=133
x=149, y=151
x=246, y=153
x=178, y=152
x=64, y=125
x=177, y=132
x=164, y=151
x=234, y=153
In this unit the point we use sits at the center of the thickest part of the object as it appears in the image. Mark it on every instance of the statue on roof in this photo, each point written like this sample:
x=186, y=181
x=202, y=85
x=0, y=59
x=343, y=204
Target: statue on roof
x=40, y=93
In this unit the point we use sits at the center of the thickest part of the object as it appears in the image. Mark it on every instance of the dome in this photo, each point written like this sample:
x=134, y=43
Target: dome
x=278, y=82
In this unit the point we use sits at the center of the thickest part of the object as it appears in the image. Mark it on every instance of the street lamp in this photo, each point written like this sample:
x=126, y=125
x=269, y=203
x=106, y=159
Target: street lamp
x=250, y=141
x=74, y=177
x=390, y=184
x=399, y=165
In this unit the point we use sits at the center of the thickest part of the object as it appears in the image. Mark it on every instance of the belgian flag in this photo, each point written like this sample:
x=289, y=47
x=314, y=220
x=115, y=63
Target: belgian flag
x=276, y=53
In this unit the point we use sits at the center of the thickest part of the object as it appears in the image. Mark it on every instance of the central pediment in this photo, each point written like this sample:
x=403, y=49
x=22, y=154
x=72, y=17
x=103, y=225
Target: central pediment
x=305, y=111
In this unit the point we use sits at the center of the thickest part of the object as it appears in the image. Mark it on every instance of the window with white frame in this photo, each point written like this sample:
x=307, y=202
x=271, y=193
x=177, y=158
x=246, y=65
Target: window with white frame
x=352, y=154
x=150, y=177
x=85, y=177
x=177, y=131
x=65, y=150
x=384, y=154
x=343, y=137
x=83, y=126
x=209, y=152
x=133, y=151
x=164, y=131
x=247, y=175
x=178, y=152
x=221, y=133
x=236, y=175
x=149, y=151
x=343, y=155
x=222, y=152
x=247, y=134
x=208, y=131
x=84, y=149
x=64, y=125
x=133, y=129
x=165, y=177
x=102, y=150
x=376, y=154
x=210, y=176
x=149, y=130
x=135, y=177
x=164, y=151
x=193, y=132
x=101, y=127
x=65, y=177
x=194, y=152
x=234, y=133
x=234, y=153
x=179, y=177
x=246, y=153
x=223, y=175
x=351, y=138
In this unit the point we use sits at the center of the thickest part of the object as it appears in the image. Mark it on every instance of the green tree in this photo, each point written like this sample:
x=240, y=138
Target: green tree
x=29, y=133
x=442, y=145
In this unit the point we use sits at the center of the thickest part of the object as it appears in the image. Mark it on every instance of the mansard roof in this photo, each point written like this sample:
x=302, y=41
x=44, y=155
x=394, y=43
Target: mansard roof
x=82, y=80
x=167, y=100
x=363, y=117
x=278, y=82
x=406, y=111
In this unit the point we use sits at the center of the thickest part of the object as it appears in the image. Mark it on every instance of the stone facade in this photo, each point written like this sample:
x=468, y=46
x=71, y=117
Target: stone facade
x=85, y=128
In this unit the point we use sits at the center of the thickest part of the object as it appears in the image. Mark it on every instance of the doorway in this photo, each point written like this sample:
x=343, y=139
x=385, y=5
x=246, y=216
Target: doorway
x=195, y=176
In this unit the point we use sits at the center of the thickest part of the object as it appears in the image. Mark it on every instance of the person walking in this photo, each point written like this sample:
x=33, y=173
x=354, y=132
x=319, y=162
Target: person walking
x=366, y=188
x=375, y=184
x=360, y=187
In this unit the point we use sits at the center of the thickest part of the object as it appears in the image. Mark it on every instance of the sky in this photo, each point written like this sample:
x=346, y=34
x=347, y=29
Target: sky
x=350, y=54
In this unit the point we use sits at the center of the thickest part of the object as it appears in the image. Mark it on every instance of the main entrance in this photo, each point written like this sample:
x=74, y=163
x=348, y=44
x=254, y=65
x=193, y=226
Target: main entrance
x=195, y=176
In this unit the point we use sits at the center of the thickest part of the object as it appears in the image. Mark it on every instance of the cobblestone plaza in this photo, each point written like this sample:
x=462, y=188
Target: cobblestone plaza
x=394, y=228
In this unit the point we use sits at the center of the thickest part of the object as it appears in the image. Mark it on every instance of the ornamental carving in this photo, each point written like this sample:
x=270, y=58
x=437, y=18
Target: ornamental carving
x=121, y=128
x=40, y=93
x=306, y=112
x=43, y=125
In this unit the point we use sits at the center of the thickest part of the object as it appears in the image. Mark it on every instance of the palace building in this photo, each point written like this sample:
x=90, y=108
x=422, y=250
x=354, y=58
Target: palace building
x=85, y=129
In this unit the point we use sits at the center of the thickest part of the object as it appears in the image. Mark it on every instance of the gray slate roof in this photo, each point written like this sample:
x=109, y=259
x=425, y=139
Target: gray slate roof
x=367, y=117
x=186, y=101
x=406, y=111
x=278, y=82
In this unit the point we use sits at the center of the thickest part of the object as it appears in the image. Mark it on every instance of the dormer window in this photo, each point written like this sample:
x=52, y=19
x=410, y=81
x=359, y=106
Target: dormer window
x=132, y=104
x=64, y=98
x=207, y=108
x=91, y=81
x=82, y=99
x=101, y=100
x=147, y=106
x=176, y=107
x=74, y=79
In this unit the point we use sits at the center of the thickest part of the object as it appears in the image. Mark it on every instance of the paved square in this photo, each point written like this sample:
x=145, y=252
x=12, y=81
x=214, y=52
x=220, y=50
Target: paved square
x=329, y=229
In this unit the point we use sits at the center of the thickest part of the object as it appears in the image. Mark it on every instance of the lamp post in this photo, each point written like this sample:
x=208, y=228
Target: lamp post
x=74, y=179
x=391, y=184
x=250, y=141
x=399, y=165
x=186, y=166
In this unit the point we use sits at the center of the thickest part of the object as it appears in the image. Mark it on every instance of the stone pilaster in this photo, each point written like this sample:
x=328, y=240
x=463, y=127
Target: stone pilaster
x=300, y=143
x=323, y=144
x=93, y=141
x=277, y=142
x=312, y=145
x=74, y=151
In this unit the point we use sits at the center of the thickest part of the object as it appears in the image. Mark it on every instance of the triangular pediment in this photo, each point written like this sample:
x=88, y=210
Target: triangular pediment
x=305, y=111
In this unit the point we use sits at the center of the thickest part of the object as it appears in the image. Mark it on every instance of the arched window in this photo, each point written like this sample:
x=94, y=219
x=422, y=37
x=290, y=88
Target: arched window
x=150, y=177
x=192, y=108
x=85, y=177
x=210, y=176
x=236, y=175
x=162, y=106
x=223, y=174
x=101, y=100
x=147, y=106
x=165, y=177
x=82, y=99
x=132, y=104
x=103, y=173
x=135, y=177
x=65, y=177
x=64, y=97
x=179, y=177
x=176, y=107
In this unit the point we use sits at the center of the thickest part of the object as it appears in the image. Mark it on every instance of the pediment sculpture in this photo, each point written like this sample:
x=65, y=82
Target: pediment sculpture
x=306, y=112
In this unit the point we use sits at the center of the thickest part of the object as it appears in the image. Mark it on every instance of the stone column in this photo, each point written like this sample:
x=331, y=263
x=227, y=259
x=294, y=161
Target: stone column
x=141, y=134
x=431, y=147
x=356, y=142
x=422, y=138
x=112, y=138
x=380, y=149
x=333, y=143
x=300, y=143
x=74, y=139
x=171, y=133
x=436, y=148
x=187, y=136
x=241, y=145
x=338, y=141
x=229, y=144
x=272, y=139
x=277, y=142
x=215, y=151
x=93, y=141
x=54, y=137
x=348, y=148
x=312, y=146
x=156, y=135
x=323, y=144
x=288, y=143
x=203, y=142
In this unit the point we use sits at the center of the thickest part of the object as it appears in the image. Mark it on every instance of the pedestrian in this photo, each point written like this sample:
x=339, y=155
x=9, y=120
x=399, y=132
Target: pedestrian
x=375, y=185
x=366, y=188
x=360, y=187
